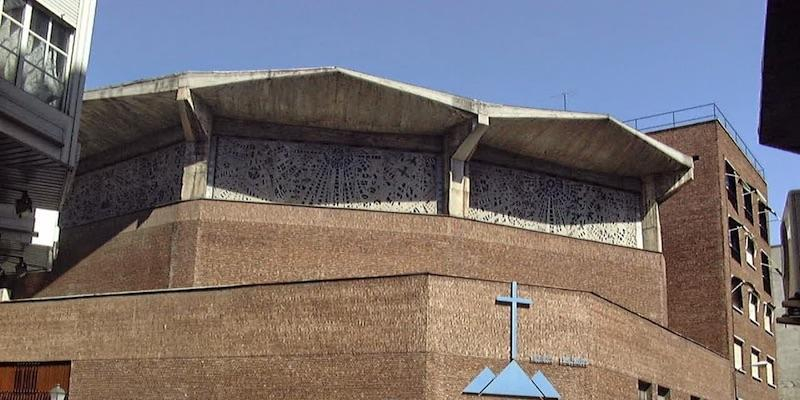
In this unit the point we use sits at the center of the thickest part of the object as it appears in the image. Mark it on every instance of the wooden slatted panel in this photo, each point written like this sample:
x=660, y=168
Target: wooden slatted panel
x=7, y=377
x=52, y=374
x=25, y=378
x=32, y=380
x=24, y=396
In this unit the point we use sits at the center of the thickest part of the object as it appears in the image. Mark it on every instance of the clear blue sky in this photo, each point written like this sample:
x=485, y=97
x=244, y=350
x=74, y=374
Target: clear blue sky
x=624, y=58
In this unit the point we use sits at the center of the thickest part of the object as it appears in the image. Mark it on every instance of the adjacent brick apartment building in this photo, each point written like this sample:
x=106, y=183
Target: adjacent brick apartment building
x=716, y=246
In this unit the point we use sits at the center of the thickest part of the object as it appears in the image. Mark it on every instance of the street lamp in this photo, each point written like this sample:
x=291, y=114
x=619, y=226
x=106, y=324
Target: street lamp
x=57, y=393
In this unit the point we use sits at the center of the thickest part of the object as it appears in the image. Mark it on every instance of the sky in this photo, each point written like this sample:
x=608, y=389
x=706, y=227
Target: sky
x=624, y=58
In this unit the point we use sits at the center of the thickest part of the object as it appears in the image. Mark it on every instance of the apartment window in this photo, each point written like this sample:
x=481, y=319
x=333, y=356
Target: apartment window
x=645, y=391
x=748, y=202
x=736, y=294
x=663, y=393
x=750, y=251
x=733, y=238
x=34, y=51
x=730, y=184
x=754, y=367
x=763, y=223
x=753, y=309
x=770, y=371
x=769, y=313
x=766, y=277
x=738, y=345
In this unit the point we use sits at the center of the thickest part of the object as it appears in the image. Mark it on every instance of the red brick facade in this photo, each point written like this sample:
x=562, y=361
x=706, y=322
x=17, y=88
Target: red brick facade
x=406, y=337
x=209, y=243
x=698, y=253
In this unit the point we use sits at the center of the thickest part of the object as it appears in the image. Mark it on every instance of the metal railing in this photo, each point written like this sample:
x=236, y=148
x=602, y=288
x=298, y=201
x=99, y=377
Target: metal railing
x=692, y=115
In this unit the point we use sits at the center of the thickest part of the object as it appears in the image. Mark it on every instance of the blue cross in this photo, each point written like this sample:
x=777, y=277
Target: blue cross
x=514, y=301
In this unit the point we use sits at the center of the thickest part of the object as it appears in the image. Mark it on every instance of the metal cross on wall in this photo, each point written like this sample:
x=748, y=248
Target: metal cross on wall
x=514, y=300
x=512, y=381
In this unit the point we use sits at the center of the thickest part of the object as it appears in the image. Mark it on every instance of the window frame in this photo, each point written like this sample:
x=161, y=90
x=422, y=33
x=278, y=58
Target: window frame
x=769, y=320
x=731, y=180
x=763, y=220
x=753, y=313
x=734, y=240
x=769, y=371
x=755, y=372
x=738, y=365
x=749, y=250
x=648, y=391
x=663, y=389
x=766, y=273
x=22, y=51
x=747, y=197
x=737, y=284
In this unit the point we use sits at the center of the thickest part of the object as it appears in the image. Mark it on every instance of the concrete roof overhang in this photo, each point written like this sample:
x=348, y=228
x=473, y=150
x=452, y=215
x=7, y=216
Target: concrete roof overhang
x=342, y=99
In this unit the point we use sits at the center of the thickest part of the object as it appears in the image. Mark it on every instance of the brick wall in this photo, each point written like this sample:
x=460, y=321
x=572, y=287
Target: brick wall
x=405, y=337
x=465, y=323
x=696, y=249
x=693, y=243
x=208, y=243
x=741, y=325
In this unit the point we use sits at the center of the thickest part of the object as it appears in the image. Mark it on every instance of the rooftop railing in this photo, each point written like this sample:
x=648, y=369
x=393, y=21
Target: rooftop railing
x=692, y=115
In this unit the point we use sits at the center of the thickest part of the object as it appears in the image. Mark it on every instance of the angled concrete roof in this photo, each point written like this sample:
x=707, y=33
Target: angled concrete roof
x=338, y=98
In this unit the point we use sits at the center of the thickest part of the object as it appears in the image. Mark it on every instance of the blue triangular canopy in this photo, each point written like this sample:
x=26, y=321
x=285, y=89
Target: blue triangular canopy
x=512, y=381
x=545, y=386
x=480, y=382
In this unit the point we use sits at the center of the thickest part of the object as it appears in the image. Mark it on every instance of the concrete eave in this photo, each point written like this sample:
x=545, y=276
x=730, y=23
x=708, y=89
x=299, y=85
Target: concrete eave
x=342, y=99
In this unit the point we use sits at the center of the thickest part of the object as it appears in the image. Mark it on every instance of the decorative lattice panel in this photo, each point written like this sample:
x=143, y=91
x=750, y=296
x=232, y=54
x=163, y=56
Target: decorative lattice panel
x=551, y=204
x=326, y=175
x=142, y=182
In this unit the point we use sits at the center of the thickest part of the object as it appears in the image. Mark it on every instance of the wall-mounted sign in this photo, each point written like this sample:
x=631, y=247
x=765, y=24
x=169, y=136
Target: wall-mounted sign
x=540, y=359
x=572, y=361
x=512, y=380
x=568, y=361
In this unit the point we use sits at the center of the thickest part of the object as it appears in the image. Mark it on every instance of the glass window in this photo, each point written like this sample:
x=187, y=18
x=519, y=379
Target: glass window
x=730, y=184
x=754, y=367
x=768, y=317
x=34, y=55
x=763, y=223
x=738, y=344
x=736, y=293
x=733, y=239
x=748, y=202
x=753, y=309
x=10, y=37
x=645, y=391
x=770, y=370
x=766, y=277
x=663, y=393
x=14, y=9
x=750, y=251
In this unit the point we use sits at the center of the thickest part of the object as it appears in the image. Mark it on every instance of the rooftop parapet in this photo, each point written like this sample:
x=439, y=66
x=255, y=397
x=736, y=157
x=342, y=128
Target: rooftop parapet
x=693, y=115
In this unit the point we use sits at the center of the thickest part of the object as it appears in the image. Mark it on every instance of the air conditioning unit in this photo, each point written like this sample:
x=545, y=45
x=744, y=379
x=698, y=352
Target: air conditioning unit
x=790, y=239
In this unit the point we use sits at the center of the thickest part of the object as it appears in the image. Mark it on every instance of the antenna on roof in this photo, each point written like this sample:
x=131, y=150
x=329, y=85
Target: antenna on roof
x=564, y=96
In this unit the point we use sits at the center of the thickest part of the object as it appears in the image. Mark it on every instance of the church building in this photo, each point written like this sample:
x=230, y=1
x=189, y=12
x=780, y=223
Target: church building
x=324, y=233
